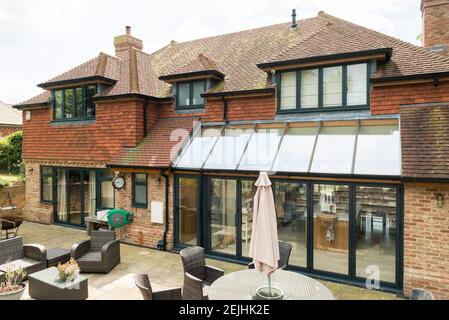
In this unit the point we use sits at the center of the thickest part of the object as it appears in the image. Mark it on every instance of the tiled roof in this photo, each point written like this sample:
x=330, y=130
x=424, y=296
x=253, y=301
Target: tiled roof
x=425, y=141
x=201, y=64
x=237, y=55
x=159, y=146
x=42, y=98
x=9, y=116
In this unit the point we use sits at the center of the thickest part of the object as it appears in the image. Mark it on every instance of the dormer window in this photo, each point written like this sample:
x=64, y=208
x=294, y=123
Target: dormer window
x=74, y=103
x=338, y=87
x=188, y=94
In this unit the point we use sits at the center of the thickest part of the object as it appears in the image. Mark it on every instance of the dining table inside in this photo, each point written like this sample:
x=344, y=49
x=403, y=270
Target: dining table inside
x=243, y=284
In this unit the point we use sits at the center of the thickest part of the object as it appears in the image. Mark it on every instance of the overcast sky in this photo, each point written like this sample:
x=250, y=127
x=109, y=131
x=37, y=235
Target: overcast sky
x=40, y=39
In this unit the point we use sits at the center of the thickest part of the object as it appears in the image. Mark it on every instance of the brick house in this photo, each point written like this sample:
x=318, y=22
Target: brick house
x=350, y=123
x=10, y=120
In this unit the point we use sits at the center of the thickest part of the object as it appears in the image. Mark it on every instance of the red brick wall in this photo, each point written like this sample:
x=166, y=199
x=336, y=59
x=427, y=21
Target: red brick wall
x=117, y=124
x=426, y=239
x=387, y=100
x=435, y=22
x=6, y=131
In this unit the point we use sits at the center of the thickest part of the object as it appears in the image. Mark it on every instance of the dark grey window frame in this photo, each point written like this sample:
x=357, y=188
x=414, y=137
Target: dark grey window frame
x=190, y=106
x=321, y=108
x=135, y=183
x=75, y=117
x=53, y=177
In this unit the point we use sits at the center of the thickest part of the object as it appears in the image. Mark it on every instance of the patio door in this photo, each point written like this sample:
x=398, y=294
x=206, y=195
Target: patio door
x=222, y=216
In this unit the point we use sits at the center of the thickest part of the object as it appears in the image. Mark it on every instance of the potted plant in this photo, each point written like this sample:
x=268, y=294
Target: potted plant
x=68, y=271
x=13, y=288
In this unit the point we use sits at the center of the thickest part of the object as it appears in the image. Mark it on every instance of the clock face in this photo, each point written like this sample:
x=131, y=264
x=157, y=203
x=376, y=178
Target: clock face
x=118, y=182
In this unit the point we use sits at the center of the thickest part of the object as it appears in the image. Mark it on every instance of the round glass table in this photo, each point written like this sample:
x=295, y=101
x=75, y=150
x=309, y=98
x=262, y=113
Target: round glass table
x=242, y=285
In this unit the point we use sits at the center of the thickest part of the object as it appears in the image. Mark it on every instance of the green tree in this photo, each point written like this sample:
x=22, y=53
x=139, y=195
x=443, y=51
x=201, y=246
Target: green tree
x=11, y=153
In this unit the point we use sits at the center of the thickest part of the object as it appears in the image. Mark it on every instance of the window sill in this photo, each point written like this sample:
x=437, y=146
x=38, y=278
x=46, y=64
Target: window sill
x=83, y=121
x=323, y=109
x=46, y=202
x=189, y=110
x=140, y=206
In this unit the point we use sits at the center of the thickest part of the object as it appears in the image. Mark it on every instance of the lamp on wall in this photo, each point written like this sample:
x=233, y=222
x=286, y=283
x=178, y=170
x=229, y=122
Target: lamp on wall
x=440, y=200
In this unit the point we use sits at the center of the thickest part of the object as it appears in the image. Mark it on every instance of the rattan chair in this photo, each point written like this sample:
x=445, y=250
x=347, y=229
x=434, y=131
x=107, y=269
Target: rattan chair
x=285, y=249
x=421, y=294
x=193, y=288
x=143, y=283
x=100, y=254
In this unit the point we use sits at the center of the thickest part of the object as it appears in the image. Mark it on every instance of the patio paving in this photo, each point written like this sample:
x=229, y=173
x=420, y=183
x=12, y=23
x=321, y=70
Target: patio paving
x=163, y=268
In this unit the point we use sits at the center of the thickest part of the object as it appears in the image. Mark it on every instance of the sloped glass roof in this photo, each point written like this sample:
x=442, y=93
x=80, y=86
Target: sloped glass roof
x=359, y=148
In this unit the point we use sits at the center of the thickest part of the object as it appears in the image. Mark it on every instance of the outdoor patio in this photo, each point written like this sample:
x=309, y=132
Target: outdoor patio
x=164, y=268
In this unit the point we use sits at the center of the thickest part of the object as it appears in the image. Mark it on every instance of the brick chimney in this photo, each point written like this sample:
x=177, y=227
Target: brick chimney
x=435, y=19
x=126, y=42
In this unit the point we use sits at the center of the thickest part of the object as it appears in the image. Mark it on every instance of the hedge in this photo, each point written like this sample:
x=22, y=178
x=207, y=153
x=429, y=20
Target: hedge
x=11, y=153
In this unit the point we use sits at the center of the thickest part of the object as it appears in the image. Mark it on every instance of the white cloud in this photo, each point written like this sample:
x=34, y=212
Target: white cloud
x=42, y=38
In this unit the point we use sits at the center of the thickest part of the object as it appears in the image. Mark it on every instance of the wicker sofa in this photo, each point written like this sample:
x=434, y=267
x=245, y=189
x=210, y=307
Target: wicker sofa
x=13, y=253
x=100, y=254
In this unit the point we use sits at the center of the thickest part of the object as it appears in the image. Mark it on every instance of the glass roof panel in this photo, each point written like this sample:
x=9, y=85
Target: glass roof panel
x=199, y=148
x=229, y=148
x=378, y=150
x=295, y=150
x=334, y=150
x=261, y=149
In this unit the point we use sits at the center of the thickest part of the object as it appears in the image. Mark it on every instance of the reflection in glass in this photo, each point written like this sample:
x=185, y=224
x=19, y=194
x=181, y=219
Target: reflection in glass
x=199, y=148
x=295, y=150
x=332, y=86
x=261, y=149
x=223, y=210
x=61, y=201
x=229, y=148
x=334, y=150
x=378, y=150
x=357, y=84
x=184, y=94
x=106, y=190
x=89, y=193
x=248, y=193
x=309, y=89
x=288, y=90
x=75, y=196
x=376, y=232
x=291, y=212
x=188, y=209
x=331, y=228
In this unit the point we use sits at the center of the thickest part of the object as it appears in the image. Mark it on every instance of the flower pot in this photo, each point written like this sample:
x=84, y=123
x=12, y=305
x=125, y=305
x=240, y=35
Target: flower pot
x=14, y=295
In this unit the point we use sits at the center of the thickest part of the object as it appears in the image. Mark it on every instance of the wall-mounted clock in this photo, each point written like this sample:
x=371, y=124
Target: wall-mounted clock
x=118, y=182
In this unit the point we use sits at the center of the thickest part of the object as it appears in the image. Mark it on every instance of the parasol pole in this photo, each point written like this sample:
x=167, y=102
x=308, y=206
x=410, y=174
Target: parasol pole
x=269, y=284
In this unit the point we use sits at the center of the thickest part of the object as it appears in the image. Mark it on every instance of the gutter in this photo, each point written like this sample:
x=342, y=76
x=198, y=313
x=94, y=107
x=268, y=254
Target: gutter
x=434, y=75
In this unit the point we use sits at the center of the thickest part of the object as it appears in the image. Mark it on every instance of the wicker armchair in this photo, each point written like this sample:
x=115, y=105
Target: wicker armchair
x=100, y=254
x=143, y=283
x=31, y=257
x=285, y=249
x=421, y=294
x=193, y=288
x=194, y=263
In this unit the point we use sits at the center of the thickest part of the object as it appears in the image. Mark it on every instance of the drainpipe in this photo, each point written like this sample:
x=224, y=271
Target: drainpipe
x=162, y=244
x=225, y=109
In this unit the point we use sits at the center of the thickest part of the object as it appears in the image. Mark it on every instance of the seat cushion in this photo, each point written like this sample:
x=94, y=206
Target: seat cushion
x=91, y=257
x=24, y=263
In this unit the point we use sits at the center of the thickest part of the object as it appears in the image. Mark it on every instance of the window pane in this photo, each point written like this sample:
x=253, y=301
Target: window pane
x=378, y=150
x=357, y=84
x=376, y=232
x=68, y=103
x=331, y=228
x=79, y=102
x=107, y=190
x=184, y=94
x=140, y=194
x=140, y=178
x=47, y=170
x=309, y=89
x=229, y=148
x=291, y=212
x=332, y=86
x=261, y=149
x=334, y=150
x=301, y=140
x=199, y=148
x=198, y=89
x=90, y=105
x=288, y=90
x=58, y=104
x=47, y=190
x=247, y=202
x=61, y=201
x=188, y=210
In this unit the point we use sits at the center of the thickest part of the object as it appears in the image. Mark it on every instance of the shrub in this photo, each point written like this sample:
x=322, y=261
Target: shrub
x=11, y=153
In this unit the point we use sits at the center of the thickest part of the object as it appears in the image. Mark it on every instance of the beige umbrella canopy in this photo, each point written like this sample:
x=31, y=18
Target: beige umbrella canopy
x=264, y=247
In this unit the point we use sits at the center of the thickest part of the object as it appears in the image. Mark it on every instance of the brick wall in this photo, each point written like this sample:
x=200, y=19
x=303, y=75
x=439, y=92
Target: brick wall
x=435, y=22
x=7, y=130
x=141, y=231
x=387, y=100
x=117, y=124
x=426, y=239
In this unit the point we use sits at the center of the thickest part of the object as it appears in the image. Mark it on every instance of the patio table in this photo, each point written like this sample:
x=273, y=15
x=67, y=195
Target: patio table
x=242, y=285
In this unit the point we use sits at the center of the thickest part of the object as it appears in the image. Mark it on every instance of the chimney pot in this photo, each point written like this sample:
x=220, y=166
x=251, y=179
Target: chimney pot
x=294, y=24
x=126, y=42
x=128, y=30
